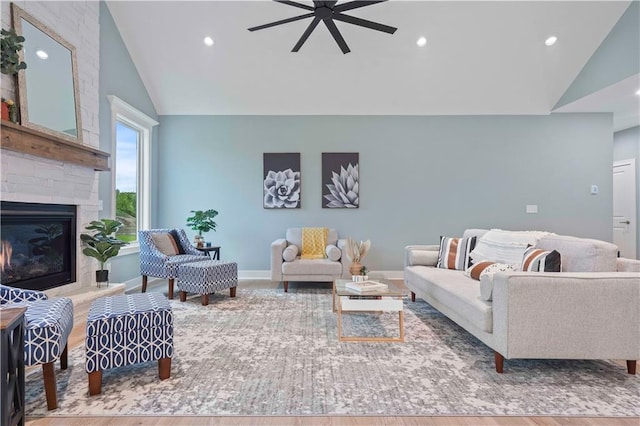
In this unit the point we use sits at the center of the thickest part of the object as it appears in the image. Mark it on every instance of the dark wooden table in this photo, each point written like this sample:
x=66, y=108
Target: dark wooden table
x=213, y=249
x=12, y=366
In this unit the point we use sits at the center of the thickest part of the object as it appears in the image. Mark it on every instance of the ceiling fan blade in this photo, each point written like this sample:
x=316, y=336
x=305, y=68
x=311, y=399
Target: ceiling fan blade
x=364, y=23
x=294, y=4
x=355, y=4
x=284, y=21
x=324, y=3
x=306, y=34
x=331, y=26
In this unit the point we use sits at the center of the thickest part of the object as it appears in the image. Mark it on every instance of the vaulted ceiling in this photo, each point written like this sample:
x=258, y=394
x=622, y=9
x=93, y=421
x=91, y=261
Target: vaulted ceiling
x=480, y=57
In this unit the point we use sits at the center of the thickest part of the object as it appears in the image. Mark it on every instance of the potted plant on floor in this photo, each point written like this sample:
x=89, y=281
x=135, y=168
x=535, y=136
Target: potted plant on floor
x=202, y=221
x=102, y=244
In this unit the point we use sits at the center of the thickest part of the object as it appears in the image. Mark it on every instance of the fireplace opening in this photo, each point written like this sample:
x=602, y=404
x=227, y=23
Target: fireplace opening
x=38, y=245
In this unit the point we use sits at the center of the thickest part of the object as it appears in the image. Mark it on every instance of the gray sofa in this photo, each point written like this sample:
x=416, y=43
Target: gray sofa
x=590, y=310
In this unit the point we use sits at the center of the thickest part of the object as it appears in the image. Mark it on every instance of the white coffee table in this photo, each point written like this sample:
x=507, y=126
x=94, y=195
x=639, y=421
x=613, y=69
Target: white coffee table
x=345, y=300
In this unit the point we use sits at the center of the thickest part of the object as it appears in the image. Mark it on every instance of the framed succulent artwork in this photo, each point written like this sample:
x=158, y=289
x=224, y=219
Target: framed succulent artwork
x=281, y=180
x=340, y=180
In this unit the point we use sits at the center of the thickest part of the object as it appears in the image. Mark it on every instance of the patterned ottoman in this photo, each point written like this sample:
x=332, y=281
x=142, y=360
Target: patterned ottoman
x=125, y=330
x=206, y=277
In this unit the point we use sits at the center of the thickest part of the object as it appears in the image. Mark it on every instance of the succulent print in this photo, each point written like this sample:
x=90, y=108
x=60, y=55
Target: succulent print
x=282, y=189
x=344, y=188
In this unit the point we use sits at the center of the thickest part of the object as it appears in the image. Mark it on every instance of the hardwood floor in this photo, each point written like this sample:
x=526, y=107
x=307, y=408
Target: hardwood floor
x=77, y=339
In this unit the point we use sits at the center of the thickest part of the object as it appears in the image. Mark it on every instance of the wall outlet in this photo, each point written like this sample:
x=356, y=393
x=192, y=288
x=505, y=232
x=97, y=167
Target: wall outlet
x=532, y=208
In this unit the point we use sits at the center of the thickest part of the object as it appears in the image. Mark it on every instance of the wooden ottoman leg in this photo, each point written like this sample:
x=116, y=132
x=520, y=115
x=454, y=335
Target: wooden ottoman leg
x=164, y=368
x=232, y=291
x=95, y=382
x=171, y=282
x=144, y=284
x=205, y=299
x=50, y=385
x=413, y=297
x=64, y=357
x=183, y=296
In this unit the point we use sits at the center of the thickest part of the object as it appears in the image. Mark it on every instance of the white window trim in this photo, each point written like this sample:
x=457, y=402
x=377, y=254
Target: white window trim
x=136, y=119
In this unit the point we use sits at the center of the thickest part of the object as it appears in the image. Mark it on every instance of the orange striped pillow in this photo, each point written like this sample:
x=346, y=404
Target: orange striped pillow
x=538, y=260
x=477, y=269
x=454, y=253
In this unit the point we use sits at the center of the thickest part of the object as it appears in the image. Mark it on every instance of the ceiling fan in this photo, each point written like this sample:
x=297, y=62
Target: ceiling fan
x=327, y=12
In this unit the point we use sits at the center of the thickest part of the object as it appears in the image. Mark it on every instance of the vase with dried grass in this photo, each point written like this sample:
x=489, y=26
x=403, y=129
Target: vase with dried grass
x=355, y=253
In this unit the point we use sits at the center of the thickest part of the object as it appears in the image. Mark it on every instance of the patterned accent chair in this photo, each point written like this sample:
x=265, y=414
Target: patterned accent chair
x=48, y=324
x=286, y=264
x=155, y=263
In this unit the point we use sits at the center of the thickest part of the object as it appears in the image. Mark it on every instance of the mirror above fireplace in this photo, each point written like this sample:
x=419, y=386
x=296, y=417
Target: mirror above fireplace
x=48, y=89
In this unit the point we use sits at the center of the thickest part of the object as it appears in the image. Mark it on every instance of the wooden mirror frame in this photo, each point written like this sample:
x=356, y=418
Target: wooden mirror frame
x=18, y=14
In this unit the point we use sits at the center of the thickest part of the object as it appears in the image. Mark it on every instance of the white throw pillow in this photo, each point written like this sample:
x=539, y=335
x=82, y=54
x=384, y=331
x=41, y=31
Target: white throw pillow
x=504, y=246
x=333, y=252
x=486, y=278
x=290, y=253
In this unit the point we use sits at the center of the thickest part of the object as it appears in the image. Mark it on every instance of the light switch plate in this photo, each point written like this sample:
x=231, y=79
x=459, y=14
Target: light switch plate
x=594, y=189
x=532, y=208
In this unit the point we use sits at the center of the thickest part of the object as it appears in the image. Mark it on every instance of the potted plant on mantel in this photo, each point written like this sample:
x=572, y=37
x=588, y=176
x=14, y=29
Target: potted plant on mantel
x=10, y=64
x=102, y=244
x=202, y=221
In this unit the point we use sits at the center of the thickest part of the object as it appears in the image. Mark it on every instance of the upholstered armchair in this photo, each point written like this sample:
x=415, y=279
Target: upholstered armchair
x=162, y=251
x=286, y=264
x=48, y=324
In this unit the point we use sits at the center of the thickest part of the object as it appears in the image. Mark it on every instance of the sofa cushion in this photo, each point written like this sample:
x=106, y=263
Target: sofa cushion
x=312, y=267
x=290, y=253
x=333, y=252
x=502, y=246
x=454, y=253
x=456, y=292
x=581, y=254
x=165, y=243
x=538, y=260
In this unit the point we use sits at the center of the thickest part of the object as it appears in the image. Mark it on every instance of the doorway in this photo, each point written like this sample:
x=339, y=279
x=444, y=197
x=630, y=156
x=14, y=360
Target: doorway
x=624, y=207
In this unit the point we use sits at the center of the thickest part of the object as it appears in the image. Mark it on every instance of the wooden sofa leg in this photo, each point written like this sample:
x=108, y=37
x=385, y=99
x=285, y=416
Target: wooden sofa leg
x=50, y=385
x=499, y=362
x=183, y=296
x=286, y=286
x=95, y=382
x=205, y=299
x=171, y=282
x=413, y=297
x=164, y=368
x=144, y=283
x=631, y=366
x=64, y=357
x=232, y=291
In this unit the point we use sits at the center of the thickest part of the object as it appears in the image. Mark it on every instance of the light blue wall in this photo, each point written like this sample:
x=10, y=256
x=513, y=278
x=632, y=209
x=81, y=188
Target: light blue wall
x=626, y=145
x=119, y=77
x=617, y=58
x=420, y=177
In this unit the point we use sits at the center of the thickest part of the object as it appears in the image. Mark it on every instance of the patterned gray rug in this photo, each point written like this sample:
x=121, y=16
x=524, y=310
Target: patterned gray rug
x=272, y=353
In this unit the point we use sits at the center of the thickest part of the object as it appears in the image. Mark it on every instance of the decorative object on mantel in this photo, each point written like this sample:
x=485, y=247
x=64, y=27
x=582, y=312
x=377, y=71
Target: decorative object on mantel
x=33, y=142
x=202, y=221
x=11, y=47
x=9, y=110
x=356, y=252
x=102, y=245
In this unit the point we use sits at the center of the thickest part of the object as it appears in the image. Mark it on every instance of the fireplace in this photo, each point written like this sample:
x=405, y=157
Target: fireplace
x=38, y=249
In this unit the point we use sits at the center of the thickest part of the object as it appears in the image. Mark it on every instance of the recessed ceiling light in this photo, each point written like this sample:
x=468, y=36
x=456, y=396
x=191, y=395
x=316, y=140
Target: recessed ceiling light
x=208, y=41
x=421, y=41
x=551, y=41
x=42, y=54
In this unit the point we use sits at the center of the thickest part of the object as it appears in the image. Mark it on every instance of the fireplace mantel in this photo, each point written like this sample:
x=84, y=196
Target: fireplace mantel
x=28, y=141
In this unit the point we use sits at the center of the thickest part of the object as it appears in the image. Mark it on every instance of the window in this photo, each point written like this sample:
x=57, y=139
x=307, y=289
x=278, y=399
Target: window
x=130, y=168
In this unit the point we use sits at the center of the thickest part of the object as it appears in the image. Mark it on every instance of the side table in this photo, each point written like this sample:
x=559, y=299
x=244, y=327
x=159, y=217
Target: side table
x=12, y=366
x=213, y=249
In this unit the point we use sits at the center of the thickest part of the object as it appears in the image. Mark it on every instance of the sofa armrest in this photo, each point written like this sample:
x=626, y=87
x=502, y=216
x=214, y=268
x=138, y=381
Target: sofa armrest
x=628, y=265
x=344, y=260
x=426, y=255
x=277, y=247
x=573, y=315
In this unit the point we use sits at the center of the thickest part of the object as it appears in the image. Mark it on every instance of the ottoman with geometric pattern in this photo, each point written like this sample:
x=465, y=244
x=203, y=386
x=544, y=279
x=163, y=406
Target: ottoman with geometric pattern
x=125, y=330
x=206, y=277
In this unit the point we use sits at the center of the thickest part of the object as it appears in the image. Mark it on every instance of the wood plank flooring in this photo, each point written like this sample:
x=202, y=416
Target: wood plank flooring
x=77, y=339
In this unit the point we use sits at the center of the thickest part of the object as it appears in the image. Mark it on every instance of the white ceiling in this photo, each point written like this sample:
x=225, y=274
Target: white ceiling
x=481, y=57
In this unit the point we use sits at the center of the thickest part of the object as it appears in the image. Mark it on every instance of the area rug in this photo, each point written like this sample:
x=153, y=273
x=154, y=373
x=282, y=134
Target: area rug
x=266, y=352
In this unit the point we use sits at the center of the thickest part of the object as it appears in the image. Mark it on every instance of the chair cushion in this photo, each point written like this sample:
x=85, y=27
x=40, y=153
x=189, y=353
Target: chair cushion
x=312, y=267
